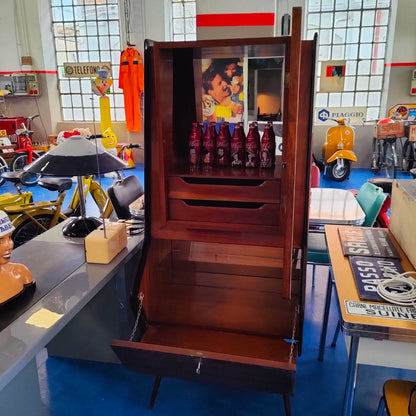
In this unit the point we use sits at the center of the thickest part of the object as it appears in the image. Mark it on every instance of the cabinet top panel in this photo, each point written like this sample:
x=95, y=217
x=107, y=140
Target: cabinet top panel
x=258, y=47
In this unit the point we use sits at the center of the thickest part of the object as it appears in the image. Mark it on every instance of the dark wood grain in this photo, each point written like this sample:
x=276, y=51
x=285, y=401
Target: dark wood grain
x=223, y=274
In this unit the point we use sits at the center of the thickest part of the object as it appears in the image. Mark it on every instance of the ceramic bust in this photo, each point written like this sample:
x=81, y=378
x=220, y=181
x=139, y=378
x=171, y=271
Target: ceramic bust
x=14, y=278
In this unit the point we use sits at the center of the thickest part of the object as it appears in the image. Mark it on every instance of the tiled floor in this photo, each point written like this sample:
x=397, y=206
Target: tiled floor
x=71, y=387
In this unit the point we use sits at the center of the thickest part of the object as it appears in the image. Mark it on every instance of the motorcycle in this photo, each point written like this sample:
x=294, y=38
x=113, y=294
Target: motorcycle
x=337, y=151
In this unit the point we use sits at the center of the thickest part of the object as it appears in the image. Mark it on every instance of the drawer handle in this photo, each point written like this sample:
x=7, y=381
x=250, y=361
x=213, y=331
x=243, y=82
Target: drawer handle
x=222, y=204
x=223, y=181
x=198, y=369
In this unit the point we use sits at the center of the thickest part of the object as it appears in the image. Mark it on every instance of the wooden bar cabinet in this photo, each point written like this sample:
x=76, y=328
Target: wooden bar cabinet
x=224, y=258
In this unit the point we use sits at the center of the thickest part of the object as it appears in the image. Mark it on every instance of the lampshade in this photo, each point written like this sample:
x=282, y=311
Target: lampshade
x=76, y=156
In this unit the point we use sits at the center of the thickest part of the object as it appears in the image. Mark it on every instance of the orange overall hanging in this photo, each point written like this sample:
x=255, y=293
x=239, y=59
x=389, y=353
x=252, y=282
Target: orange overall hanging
x=131, y=81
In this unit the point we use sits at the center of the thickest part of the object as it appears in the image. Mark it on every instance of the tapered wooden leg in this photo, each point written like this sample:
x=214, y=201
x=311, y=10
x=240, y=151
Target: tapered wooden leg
x=156, y=385
x=286, y=400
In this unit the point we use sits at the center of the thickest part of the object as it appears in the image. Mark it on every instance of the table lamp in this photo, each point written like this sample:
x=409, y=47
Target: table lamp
x=77, y=156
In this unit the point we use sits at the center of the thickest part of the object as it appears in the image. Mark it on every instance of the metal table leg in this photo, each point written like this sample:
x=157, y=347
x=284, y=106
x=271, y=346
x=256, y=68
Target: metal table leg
x=349, y=386
x=326, y=316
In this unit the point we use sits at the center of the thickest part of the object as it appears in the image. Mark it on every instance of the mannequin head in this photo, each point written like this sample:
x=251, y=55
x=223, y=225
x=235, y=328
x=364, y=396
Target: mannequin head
x=6, y=243
x=6, y=247
x=15, y=278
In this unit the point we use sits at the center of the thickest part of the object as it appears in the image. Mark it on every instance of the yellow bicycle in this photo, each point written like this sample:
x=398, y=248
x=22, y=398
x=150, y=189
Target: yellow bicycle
x=33, y=218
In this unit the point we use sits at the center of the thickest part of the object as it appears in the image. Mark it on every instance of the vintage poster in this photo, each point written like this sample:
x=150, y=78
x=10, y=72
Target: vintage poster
x=222, y=90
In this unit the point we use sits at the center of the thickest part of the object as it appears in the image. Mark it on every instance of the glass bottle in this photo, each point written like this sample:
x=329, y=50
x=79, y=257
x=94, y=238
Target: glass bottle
x=237, y=146
x=195, y=145
x=223, y=146
x=208, y=145
x=253, y=147
x=268, y=147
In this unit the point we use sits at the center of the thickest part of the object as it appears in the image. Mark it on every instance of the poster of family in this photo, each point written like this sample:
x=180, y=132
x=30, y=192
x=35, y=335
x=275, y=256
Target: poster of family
x=222, y=90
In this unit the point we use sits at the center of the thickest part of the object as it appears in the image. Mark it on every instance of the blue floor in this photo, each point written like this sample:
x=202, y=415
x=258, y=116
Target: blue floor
x=73, y=387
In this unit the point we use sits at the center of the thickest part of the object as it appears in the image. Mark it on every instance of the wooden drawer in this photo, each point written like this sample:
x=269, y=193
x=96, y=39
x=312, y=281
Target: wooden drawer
x=248, y=361
x=235, y=212
x=224, y=189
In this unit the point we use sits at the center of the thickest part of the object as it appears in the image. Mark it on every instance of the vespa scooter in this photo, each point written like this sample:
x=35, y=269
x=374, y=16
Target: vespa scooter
x=337, y=151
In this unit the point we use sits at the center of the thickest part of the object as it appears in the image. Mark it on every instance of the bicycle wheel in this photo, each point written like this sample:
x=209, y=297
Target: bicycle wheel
x=18, y=163
x=28, y=229
x=390, y=160
x=375, y=163
x=408, y=157
x=3, y=168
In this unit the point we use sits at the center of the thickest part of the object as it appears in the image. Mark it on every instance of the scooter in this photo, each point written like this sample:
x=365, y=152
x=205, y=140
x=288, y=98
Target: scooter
x=337, y=151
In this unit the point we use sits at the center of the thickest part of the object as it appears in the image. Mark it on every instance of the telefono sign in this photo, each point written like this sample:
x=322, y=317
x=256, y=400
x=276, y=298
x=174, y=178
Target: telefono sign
x=85, y=69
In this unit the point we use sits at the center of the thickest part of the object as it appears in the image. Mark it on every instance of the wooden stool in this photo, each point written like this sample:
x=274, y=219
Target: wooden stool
x=399, y=397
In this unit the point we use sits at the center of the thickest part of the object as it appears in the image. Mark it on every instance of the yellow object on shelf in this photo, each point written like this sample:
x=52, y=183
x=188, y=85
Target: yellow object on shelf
x=109, y=139
x=126, y=154
x=105, y=114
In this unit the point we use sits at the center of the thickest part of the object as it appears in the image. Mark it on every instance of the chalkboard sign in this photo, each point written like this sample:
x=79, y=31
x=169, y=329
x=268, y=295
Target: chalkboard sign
x=370, y=242
x=368, y=271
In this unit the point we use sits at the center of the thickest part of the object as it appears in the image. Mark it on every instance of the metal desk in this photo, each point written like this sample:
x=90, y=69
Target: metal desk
x=372, y=340
x=334, y=206
x=71, y=298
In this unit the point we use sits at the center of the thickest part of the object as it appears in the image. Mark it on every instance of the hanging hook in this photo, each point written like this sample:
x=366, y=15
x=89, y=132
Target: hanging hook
x=198, y=369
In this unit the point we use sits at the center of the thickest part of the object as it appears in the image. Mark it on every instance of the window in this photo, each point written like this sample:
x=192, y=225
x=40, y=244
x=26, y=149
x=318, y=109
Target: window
x=183, y=20
x=354, y=31
x=87, y=31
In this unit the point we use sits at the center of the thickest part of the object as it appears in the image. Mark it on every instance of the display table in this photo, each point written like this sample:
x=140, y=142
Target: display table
x=376, y=333
x=82, y=296
x=334, y=206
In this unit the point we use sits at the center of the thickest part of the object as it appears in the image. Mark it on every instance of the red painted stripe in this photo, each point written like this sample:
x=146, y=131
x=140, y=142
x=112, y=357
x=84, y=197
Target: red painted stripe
x=401, y=64
x=235, y=19
x=27, y=72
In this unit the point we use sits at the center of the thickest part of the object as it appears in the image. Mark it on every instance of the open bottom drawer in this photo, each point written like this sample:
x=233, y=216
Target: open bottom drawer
x=247, y=361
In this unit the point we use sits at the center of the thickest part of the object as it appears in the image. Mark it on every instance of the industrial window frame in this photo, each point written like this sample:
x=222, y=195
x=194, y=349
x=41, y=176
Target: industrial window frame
x=355, y=31
x=183, y=14
x=87, y=31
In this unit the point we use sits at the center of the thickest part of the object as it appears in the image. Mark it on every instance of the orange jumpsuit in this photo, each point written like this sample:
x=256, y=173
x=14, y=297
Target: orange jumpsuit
x=131, y=81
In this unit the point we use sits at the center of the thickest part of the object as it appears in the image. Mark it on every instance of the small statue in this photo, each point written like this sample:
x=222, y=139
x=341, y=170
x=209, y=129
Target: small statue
x=14, y=278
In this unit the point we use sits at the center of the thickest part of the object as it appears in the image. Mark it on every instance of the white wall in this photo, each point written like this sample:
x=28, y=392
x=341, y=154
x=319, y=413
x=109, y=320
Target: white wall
x=23, y=34
x=148, y=21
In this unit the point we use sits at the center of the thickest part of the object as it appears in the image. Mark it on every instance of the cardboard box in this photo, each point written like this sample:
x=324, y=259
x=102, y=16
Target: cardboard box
x=402, y=216
x=395, y=129
x=102, y=250
x=411, y=132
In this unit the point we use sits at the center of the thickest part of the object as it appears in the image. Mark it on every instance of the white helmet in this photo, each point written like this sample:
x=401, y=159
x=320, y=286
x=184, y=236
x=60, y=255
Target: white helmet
x=6, y=226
